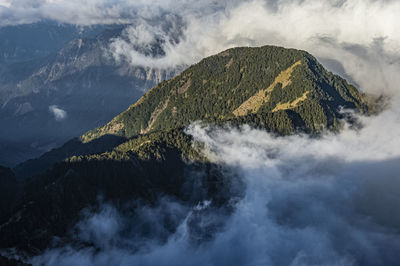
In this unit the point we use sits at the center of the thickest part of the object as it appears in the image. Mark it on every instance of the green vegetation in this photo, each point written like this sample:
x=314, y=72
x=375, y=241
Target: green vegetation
x=277, y=89
x=149, y=147
x=214, y=88
x=281, y=90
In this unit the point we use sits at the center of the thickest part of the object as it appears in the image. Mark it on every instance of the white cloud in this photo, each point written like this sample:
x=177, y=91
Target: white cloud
x=59, y=114
x=5, y=3
x=361, y=35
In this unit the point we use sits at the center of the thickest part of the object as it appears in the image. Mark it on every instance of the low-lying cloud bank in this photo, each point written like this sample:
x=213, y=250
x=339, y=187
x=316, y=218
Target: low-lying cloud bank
x=327, y=201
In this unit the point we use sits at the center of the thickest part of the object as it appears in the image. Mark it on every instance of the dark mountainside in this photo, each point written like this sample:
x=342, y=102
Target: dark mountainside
x=8, y=190
x=144, y=155
x=75, y=74
x=11, y=262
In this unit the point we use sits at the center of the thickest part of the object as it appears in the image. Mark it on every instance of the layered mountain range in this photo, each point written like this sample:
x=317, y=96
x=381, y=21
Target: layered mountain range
x=47, y=84
x=144, y=154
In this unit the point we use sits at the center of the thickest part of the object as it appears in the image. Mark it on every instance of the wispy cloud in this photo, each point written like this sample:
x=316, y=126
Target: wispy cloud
x=58, y=113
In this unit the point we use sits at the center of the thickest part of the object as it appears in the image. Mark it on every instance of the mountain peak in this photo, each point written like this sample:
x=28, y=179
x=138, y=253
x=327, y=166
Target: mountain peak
x=286, y=88
x=281, y=90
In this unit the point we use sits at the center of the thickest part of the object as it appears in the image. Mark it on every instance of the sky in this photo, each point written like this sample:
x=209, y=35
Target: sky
x=327, y=201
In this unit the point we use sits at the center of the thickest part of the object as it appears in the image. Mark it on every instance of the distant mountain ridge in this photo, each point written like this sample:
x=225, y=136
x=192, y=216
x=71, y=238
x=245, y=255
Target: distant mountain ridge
x=26, y=42
x=80, y=77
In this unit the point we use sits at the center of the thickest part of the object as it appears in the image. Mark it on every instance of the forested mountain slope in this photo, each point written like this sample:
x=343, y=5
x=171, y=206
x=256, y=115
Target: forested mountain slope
x=281, y=90
x=276, y=88
x=144, y=154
